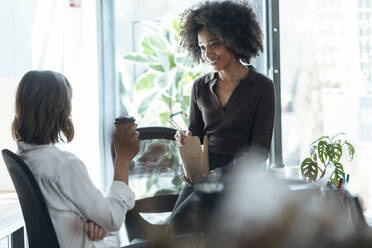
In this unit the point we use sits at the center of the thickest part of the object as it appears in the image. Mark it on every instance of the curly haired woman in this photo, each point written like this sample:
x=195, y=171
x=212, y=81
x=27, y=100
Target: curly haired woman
x=234, y=104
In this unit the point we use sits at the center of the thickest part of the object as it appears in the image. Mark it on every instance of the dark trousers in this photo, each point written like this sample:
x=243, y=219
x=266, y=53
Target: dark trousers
x=186, y=212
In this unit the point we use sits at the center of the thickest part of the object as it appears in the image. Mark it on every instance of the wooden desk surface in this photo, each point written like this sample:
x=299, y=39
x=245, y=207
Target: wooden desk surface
x=6, y=192
x=11, y=217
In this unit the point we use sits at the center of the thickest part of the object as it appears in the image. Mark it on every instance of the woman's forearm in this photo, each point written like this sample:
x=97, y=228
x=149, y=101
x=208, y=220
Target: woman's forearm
x=121, y=170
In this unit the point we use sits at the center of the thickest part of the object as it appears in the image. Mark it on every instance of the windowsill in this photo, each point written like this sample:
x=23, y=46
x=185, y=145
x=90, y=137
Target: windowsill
x=8, y=194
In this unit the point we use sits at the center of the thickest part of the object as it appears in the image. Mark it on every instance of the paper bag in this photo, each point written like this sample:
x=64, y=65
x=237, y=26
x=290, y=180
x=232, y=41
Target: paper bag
x=194, y=156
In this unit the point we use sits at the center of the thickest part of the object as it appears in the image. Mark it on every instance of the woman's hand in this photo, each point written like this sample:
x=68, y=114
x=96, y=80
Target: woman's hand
x=126, y=146
x=94, y=231
x=126, y=142
x=187, y=180
x=180, y=137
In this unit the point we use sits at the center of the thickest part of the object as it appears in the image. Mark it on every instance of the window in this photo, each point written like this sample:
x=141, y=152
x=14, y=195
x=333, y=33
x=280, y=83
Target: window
x=326, y=80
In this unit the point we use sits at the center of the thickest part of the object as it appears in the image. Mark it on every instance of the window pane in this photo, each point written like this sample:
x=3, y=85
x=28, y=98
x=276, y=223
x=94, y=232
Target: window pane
x=326, y=80
x=141, y=25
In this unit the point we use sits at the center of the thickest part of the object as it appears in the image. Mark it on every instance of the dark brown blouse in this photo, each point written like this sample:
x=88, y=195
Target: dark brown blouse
x=246, y=119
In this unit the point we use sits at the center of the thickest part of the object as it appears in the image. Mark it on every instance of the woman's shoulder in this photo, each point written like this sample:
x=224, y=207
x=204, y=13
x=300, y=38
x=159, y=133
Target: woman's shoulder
x=260, y=79
x=205, y=78
x=45, y=161
x=60, y=160
x=258, y=76
x=71, y=161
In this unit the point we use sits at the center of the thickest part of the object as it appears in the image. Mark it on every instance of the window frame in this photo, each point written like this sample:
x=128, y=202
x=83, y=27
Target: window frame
x=108, y=89
x=273, y=69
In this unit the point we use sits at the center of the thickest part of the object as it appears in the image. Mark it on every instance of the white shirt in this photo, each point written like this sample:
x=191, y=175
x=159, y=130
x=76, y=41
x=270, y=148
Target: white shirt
x=71, y=196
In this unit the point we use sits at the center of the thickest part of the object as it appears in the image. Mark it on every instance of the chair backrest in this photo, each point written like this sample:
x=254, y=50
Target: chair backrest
x=137, y=227
x=40, y=229
x=156, y=133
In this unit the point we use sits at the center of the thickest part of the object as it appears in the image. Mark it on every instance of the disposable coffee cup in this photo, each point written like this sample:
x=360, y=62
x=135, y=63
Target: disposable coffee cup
x=121, y=120
x=124, y=120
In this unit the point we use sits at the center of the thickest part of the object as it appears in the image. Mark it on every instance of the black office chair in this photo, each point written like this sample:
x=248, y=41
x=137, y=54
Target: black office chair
x=137, y=227
x=40, y=229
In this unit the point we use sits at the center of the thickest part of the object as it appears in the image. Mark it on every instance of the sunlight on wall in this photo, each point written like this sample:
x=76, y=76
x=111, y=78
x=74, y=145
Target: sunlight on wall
x=50, y=35
x=7, y=93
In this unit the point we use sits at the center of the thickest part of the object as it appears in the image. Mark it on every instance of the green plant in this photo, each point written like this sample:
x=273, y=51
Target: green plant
x=164, y=87
x=324, y=151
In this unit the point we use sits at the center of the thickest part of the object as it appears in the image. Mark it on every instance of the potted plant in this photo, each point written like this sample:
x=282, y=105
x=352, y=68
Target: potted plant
x=323, y=152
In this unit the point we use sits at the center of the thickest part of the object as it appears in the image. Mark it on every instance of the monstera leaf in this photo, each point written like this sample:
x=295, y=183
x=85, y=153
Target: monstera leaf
x=322, y=151
x=334, y=152
x=309, y=169
x=338, y=173
x=313, y=150
x=350, y=149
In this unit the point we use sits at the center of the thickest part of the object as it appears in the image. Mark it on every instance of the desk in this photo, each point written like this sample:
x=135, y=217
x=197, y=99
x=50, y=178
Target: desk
x=12, y=234
x=368, y=216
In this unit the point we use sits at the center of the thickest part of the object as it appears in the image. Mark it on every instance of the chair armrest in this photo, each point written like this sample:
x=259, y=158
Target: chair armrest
x=156, y=204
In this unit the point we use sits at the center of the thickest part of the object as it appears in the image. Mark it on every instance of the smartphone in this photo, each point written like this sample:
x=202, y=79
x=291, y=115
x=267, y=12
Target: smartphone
x=124, y=120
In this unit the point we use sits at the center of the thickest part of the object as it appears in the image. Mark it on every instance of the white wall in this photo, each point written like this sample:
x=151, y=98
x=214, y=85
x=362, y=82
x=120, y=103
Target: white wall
x=50, y=35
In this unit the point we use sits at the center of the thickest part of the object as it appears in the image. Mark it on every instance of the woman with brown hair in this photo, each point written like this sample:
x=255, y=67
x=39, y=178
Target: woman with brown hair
x=43, y=118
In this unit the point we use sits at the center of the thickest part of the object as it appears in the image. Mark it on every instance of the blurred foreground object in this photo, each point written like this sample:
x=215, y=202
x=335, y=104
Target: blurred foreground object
x=260, y=210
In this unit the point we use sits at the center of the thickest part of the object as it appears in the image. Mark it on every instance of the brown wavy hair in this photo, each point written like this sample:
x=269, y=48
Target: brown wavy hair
x=232, y=22
x=43, y=109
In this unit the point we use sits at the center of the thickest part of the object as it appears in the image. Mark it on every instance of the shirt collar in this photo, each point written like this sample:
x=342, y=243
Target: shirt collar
x=211, y=77
x=24, y=147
